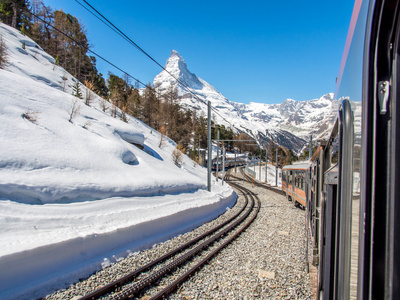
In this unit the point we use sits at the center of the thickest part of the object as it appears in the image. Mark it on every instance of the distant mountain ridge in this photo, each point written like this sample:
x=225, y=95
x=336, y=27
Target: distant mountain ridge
x=289, y=124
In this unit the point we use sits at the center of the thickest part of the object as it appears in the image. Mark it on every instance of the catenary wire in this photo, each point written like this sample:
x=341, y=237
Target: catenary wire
x=102, y=18
x=91, y=51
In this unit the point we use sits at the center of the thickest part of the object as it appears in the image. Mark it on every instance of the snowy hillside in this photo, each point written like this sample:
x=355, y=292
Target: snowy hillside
x=77, y=186
x=289, y=124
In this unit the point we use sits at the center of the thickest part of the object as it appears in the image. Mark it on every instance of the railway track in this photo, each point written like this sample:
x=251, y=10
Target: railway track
x=190, y=256
x=255, y=182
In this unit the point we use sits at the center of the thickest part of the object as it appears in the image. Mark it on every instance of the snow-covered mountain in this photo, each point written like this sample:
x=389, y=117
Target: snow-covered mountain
x=289, y=124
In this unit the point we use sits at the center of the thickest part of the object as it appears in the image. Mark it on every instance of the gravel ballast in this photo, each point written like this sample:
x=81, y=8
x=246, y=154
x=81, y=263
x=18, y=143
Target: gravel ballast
x=267, y=261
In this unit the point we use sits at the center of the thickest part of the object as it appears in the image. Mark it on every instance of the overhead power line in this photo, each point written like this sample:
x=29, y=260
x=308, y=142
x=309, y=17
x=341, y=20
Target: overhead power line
x=88, y=49
x=109, y=24
x=124, y=36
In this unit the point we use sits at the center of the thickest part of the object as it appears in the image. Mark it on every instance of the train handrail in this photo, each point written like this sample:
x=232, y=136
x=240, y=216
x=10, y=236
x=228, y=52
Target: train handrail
x=346, y=142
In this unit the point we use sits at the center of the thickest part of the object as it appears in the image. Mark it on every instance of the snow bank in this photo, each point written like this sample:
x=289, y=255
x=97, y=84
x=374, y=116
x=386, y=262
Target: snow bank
x=64, y=260
x=80, y=189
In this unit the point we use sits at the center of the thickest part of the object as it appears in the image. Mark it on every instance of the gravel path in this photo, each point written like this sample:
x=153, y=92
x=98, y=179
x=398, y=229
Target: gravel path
x=266, y=262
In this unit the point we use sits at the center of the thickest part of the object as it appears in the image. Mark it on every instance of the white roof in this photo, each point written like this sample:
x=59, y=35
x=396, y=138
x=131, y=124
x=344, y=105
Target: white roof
x=299, y=166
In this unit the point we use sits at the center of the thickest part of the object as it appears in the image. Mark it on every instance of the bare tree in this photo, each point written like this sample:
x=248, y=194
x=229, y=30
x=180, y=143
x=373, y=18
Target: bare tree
x=75, y=107
x=64, y=79
x=123, y=115
x=3, y=53
x=103, y=105
x=88, y=92
x=114, y=110
x=162, y=137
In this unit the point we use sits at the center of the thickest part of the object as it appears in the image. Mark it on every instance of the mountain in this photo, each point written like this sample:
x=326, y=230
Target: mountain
x=289, y=124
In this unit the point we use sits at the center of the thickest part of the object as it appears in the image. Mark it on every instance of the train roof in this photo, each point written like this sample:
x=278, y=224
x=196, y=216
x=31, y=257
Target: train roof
x=299, y=166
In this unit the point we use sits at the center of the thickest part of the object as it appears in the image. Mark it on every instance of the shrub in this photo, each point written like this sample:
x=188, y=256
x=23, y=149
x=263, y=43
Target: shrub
x=177, y=155
x=31, y=116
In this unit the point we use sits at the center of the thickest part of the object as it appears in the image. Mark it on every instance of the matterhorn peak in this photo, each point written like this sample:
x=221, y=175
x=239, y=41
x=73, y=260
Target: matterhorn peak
x=175, y=53
x=176, y=66
x=176, y=63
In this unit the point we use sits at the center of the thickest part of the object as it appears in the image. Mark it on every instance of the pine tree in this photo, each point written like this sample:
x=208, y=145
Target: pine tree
x=76, y=90
x=15, y=13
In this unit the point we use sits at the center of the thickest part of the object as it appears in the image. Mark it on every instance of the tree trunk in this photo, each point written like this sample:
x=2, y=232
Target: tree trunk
x=14, y=18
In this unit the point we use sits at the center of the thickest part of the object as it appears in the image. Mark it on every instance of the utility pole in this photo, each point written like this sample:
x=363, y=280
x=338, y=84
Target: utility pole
x=198, y=152
x=209, y=144
x=217, y=154
x=260, y=165
x=223, y=164
x=235, y=161
x=276, y=168
x=266, y=164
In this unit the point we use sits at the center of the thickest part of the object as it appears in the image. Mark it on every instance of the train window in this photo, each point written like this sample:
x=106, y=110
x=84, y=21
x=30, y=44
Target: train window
x=334, y=149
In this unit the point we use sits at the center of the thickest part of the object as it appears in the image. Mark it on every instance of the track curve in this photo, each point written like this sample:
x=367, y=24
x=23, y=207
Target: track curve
x=223, y=234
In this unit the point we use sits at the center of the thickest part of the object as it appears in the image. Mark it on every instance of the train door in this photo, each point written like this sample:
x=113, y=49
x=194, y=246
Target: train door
x=379, y=275
x=291, y=182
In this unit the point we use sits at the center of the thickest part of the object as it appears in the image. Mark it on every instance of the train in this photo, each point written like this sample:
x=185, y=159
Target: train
x=351, y=185
x=294, y=183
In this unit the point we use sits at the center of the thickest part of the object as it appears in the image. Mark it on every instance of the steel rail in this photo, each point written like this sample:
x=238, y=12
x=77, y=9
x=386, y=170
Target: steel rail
x=132, y=275
x=248, y=178
x=139, y=286
x=184, y=277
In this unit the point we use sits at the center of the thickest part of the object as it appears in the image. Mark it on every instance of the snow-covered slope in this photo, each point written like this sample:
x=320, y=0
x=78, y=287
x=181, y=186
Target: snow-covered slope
x=75, y=193
x=289, y=124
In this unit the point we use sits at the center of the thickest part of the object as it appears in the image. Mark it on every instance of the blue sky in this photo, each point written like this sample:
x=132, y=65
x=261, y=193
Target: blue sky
x=251, y=51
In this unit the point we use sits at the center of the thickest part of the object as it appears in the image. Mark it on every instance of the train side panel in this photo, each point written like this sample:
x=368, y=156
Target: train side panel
x=294, y=183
